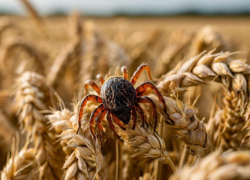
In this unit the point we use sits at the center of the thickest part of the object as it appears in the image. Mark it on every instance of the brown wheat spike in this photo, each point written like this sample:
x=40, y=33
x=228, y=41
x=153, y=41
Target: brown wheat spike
x=229, y=165
x=84, y=155
x=226, y=127
x=32, y=95
x=220, y=67
x=21, y=164
x=148, y=144
x=189, y=128
x=206, y=67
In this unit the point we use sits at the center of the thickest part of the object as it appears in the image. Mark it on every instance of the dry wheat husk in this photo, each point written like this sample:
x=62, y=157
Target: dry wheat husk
x=84, y=154
x=148, y=144
x=21, y=164
x=226, y=127
x=216, y=166
x=220, y=67
x=190, y=129
x=205, y=67
x=32, y=95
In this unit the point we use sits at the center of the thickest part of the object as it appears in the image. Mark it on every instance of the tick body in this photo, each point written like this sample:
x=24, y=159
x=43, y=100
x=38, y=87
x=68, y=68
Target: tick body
x=120, y=100
x=119, y=96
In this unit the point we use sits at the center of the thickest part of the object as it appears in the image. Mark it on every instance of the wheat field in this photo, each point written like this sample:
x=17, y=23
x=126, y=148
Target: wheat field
x=199, y=64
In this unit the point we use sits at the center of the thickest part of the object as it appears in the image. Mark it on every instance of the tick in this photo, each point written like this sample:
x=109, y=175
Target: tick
x=120, y=100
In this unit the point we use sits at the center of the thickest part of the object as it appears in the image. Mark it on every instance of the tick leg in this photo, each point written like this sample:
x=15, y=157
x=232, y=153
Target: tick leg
x=93, y=115
x=141, y=90
x=138, y=72
x=134, y=117
x=148, y=100
x=100, y=78
x=100, y=118
x=140, y=111
x=111, y=125
x=117, y=121
x=124, y=72
x=83, y=103
x=91, y=83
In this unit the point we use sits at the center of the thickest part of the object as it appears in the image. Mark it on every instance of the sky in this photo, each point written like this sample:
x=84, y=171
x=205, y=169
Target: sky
x=139, y=7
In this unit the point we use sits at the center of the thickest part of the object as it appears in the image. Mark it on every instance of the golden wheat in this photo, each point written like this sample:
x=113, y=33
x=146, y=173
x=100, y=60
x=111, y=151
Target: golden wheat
x=230, y=165
x=21, y=164
x=32, y=95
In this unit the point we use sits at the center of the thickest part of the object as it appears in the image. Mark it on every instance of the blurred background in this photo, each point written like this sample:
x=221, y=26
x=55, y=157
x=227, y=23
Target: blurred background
x=129, y=7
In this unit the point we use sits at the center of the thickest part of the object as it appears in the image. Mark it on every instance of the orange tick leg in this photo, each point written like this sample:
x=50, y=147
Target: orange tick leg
x=91, y=83
x=124, y=72
x=117, y=121
x=83, y=103
x=141, y=90
x=134, y=116
x=138, y=72
x=93, y=115
x=148, y=100
x=140, y=111
x=111, y=125
x=100, y=118
x=100, y=78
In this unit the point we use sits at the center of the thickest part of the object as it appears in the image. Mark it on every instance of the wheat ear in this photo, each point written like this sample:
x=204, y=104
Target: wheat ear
x=32, y=95
x=84, y=154
x=216, y=166
x=148, y=144
x=21, y=164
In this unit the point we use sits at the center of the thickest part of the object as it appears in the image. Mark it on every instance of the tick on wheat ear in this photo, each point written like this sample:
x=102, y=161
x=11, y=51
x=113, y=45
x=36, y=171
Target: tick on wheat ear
x=119, y=100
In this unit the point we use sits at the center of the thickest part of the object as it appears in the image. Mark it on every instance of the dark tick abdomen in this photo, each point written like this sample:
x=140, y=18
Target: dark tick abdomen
x=118, y=96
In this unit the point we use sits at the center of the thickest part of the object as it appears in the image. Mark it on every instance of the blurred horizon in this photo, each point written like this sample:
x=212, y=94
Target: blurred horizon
x=128, y=7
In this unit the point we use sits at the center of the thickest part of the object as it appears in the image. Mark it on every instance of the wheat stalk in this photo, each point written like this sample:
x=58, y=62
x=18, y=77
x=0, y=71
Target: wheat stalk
x=229, y=165
x=31, y=96
x=20, y=165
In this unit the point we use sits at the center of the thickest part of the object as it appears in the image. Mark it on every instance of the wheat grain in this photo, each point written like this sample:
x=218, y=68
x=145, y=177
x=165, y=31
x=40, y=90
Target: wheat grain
x=21, y=164
x=148, y=144
x=230, y=165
